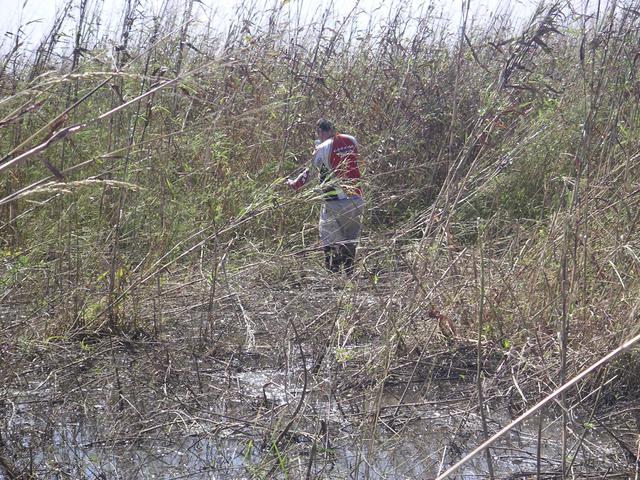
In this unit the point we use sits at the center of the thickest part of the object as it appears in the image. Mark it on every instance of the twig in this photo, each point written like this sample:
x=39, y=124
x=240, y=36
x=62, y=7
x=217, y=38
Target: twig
x=481, y=448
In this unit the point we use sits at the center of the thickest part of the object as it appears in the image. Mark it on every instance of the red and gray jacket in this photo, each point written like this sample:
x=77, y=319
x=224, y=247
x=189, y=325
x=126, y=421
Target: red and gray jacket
x=336, y=161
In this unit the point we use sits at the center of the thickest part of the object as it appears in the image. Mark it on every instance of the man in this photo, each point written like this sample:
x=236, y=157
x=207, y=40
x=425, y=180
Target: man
x=336, y=162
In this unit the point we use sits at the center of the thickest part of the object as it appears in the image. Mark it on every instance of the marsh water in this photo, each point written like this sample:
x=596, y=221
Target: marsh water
x=173, y=406
x=332, y=439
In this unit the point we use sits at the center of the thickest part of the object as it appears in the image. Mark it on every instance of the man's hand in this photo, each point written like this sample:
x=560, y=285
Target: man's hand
x=299, y=181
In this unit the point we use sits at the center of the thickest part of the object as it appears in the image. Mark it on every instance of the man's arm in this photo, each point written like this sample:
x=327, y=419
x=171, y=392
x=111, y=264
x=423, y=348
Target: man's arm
x=308, y=173
x=320, y=157
x=300, y=181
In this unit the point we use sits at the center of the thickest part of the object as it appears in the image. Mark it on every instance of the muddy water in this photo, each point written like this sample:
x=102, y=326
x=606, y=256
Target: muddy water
x=67, y=424
x=415, y=441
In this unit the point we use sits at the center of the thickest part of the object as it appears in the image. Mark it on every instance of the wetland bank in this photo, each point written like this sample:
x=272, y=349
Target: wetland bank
x=247, y=404
x=163, y=307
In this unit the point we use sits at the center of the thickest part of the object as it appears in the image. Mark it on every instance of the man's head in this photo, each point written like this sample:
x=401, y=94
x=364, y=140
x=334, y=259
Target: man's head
x=325, y=129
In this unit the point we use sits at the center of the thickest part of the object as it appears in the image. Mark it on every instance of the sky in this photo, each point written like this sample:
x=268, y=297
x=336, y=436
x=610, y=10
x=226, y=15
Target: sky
x=36, y=16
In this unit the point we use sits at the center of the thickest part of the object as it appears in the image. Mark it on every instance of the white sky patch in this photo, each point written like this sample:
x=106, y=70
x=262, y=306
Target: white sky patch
x=35, y=18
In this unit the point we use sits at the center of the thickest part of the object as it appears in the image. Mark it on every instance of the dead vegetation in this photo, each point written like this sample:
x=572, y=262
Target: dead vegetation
x=163, y=307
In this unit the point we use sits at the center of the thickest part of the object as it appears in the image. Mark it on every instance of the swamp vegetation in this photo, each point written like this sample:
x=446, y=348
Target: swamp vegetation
x=164, y=312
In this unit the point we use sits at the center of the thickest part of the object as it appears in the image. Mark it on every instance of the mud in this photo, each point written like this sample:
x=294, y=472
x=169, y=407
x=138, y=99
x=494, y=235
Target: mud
x=230, y=389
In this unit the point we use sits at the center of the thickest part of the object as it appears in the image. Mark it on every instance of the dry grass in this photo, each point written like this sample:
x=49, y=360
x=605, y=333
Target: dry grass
x=157, y=277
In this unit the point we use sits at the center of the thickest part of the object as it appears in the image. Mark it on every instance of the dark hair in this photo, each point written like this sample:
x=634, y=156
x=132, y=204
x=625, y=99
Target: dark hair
x=324, y=125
